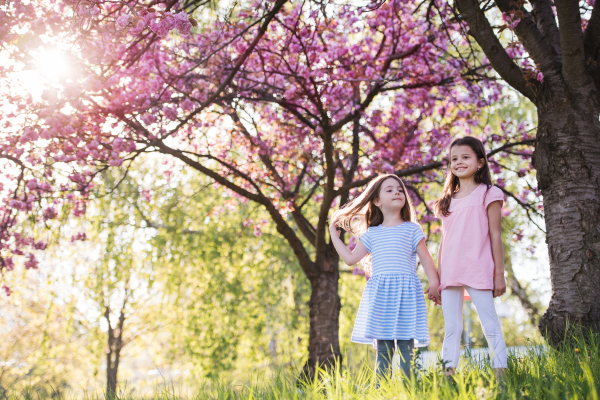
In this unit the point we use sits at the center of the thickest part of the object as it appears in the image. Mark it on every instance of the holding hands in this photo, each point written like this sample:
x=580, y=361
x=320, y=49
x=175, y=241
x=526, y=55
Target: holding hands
x=431, y=272
x=432, y=294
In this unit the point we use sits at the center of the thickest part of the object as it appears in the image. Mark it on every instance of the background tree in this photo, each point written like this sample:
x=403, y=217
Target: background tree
x=44, y=346
x=215, y=277
x=118, y=280
x=234, y=295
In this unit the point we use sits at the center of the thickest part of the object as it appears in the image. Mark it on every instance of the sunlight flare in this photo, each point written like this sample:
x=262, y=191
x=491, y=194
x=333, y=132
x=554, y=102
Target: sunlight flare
x=52, y=64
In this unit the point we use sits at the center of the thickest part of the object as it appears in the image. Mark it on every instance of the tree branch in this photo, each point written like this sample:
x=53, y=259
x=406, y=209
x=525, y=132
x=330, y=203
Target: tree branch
x=376, y=89
x=528, y=208
x=418, y=85
x=546, y=22
x=418, y=194
x=529, y=142
x=571, y=41
x=532, y=310
x=406, y=172
x=240, y=61
x=480, y=29
x=328, y=197
x=291, y=107
x=153, y=225
x=304, y=226
x=312, y=191
x=282, y=226
x=591, y=44
x=423, y=168
x=263, y=157
x=532, y=39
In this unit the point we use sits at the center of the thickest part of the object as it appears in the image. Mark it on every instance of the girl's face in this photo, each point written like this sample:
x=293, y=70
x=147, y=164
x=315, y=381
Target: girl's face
x=391, y=195
x=464, y=162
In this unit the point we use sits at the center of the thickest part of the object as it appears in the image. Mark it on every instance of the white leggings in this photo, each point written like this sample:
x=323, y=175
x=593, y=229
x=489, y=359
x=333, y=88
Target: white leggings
x=452, y=304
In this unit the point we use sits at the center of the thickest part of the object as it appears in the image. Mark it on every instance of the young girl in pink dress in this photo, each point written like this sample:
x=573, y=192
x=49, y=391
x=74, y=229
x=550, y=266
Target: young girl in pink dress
x=471, y=256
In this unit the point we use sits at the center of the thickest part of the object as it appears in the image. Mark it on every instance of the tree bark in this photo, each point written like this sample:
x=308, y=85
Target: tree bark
x=113, y=352
x=111, y=377
x=567, y=161
x=324, y=306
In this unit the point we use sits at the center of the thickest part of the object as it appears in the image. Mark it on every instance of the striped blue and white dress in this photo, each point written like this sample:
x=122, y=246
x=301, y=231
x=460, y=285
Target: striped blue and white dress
x=392, y=304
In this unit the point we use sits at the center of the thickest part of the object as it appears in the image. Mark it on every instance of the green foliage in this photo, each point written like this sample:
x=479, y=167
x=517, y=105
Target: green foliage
x=43, y=347
x=230, y=300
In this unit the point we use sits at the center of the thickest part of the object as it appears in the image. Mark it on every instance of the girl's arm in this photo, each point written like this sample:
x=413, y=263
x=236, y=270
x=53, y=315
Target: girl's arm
x=430, y=271
x=495, y=222
x=439, y=259
x=349, y=257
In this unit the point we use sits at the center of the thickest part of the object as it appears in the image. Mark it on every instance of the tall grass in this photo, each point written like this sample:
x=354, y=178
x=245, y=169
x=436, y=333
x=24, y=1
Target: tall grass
x=573, y=372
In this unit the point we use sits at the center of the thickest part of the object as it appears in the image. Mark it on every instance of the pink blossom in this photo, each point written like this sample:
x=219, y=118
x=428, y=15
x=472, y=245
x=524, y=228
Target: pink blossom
x=32, y=184
x=352, y=243
x=147, y=195
x=117, y=145
x=160, y=27
x=115, y=162
x=122, y=21
x=50, y=213
x=187, y=105
x=139, y=27
x=8, y=263
x=31, y=262
x=357, y=271
x=170, y=112
x=79, y=236
x=519, y=237
x=79, y=209
x=182, y=23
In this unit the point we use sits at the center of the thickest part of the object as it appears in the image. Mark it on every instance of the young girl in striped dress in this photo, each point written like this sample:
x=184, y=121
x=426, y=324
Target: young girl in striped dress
x=392, y=313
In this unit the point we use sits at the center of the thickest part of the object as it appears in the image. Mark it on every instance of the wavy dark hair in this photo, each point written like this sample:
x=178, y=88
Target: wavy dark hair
x=359, y=214
x=452, y=183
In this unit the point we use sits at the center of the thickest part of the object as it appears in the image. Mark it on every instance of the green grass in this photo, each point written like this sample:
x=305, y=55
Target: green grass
x=570, y=373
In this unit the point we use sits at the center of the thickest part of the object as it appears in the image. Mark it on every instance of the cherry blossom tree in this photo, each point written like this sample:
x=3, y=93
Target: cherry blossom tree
x=294, y=106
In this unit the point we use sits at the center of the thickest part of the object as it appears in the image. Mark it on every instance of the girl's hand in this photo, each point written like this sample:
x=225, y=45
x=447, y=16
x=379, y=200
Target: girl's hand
x=333, y=230
x=435, y=297
x=499, y=285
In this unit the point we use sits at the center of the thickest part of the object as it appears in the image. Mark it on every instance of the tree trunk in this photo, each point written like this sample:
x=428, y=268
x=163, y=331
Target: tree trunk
x=324, y=306
x=111, y=377
x=567, y=161
x=114, y=347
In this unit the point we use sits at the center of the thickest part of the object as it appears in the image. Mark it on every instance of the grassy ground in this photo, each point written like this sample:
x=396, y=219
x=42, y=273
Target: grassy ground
x=570, y=373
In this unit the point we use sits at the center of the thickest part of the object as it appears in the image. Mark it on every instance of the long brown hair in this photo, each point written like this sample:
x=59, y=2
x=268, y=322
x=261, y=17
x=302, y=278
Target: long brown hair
x=358, y=215
x=452, y=183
